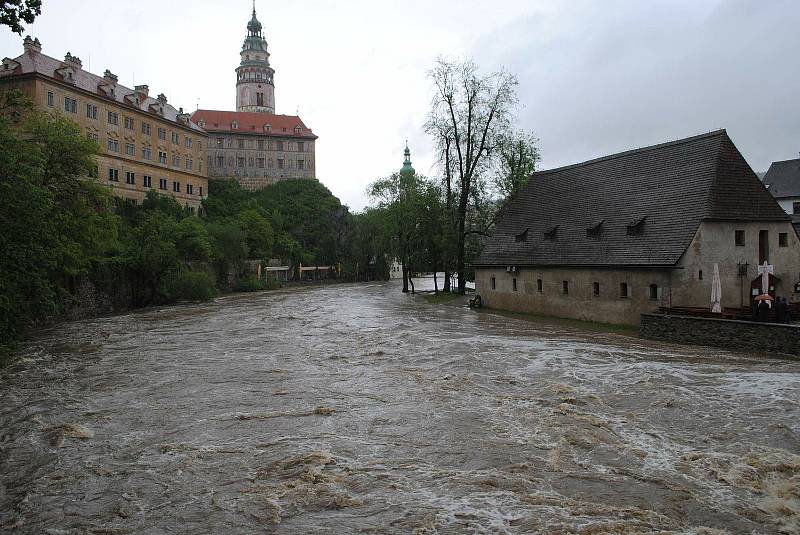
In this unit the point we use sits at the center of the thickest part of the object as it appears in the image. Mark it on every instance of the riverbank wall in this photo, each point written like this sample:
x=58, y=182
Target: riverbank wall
x=729, y=334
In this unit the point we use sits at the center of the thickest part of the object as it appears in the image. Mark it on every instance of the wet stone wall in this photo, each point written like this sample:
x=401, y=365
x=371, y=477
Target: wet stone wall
x=734, y=334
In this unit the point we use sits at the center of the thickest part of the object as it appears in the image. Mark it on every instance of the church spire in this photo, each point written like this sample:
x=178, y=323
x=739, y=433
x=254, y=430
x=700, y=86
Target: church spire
x=407, y=169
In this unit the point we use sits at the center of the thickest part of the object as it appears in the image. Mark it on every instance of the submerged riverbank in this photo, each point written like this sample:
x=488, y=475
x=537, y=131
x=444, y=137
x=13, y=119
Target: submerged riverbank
x=349, y=408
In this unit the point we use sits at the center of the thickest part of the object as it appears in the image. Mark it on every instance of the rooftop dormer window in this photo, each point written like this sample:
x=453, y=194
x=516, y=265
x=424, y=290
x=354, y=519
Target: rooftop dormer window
x=636, y=227
x=267, y=128
x=551, y=234
x=201, y=123
x=297, y=130
x=595, y=230
x=522, y=236
x=234, y=125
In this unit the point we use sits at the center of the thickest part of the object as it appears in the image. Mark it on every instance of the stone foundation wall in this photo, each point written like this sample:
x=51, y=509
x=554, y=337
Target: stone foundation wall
x=730, y=334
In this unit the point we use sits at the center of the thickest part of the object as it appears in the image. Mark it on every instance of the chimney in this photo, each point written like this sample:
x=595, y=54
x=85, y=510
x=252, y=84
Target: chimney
x=111, y=77
x=32, y=46
x=142, y=91
x=162, y=98
x=73, y=61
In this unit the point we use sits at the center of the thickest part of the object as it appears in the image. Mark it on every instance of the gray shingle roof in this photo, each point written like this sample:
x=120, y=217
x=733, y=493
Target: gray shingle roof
x=783, y=179
x=672, y=187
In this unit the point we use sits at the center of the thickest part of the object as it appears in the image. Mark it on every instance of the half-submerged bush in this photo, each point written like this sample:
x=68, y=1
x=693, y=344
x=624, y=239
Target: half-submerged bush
x=191, y=286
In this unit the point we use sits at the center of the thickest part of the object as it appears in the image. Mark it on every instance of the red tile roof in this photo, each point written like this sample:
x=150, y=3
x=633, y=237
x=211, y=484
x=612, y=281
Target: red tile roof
x=251, y=122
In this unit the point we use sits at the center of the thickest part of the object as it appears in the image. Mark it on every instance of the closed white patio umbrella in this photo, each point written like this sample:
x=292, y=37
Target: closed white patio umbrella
x=716, y=292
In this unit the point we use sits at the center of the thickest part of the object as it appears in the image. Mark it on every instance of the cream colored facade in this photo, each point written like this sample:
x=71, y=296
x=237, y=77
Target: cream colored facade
x=648, y=289
x=153, y=152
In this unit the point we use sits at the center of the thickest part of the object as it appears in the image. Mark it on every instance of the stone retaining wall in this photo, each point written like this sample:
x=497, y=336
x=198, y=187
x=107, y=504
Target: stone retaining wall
x=731, y=334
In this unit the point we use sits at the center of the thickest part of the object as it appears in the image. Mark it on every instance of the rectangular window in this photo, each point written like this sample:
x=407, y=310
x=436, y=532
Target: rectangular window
x=565, y=287
x=220, y=161
x=219, y=142
x=514, y=284
x=113, y=145
x=130, y=149
x=494, y=283
x=596, y=288
x=623, y=289
x=128, y=122
x=162, y=157
x=162, y=183
x=50, y=98
x=269, y=144
x=739, y=237
x=240, y=161
x=147, y=181
x=147, y=153
x=269, y=163
x=250, y=162
x=176, y=161
x=240, y=143
x=189, y=189
x=113, y=118
x=189, y=164
x=201, y=191
x=279, y=145
x=300, y=147
x=654, y=292
x=146, y=129
x=300, y=164
x=280, y=163
x=92, y=136
x=259, y=99
x=176, y=187
x=539, y=285
x=783, y=239
x=176, y=138
x=261, y=163
x=796, y=208
x=113, y=175
x=130, y=178
x=70, y=105
x=162, y=134
x=188, y=142
x=260, y=144
x=91, y=111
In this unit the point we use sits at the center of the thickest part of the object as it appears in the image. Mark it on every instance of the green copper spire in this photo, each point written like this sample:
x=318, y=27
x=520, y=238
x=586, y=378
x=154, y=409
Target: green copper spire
x=407, y=170
x=254, y=27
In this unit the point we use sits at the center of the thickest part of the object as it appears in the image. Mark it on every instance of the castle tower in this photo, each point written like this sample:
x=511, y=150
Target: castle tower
x=407, y=170
x=255, y=86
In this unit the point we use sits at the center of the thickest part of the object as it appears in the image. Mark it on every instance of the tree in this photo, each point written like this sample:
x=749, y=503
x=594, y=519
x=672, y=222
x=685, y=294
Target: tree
x=14, y=12
x=258, y=233
x=192, y=241
x=469, y=115
x=517, y=158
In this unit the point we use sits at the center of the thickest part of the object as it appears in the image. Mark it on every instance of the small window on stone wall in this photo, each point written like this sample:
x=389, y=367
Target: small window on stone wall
x=783, y=239
x=596, y=288
x=539, y=285
x=494, y=283
x=623, y=290
x=514, y=284
x=700, y=275
x=654, y=292
x=739, y=237
x=565, y=287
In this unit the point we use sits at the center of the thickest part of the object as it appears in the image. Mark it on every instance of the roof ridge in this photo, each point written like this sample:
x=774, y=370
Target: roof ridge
x=634, y=151
x=246, y=112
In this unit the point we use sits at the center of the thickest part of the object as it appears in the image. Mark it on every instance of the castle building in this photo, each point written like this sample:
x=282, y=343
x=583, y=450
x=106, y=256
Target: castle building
x=253, y=144
x=145, y=143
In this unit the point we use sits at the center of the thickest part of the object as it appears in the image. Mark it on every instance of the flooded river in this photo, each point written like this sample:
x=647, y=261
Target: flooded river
x=355, y=409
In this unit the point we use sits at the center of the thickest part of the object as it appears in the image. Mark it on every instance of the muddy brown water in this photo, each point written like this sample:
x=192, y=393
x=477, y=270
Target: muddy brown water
x=355, y=409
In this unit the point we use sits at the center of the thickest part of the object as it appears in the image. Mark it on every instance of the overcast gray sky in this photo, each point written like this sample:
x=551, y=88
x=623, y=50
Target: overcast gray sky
x=596, y=77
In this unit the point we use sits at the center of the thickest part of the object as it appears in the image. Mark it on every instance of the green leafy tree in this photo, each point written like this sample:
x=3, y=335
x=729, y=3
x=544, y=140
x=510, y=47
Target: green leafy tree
x=228, y=250
x=192, y=240
x=517, y=158
x=258, y=232
x=14, y=12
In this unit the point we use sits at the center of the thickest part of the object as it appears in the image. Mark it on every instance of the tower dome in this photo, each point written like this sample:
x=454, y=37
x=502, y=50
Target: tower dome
x=254, y=27
x=407, y=170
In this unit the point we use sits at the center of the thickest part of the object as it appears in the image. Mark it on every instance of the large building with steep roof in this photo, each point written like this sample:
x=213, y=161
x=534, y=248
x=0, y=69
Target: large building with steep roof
x=253, y=144
x=783, y=182
x=611, y=238
x=145, y=143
